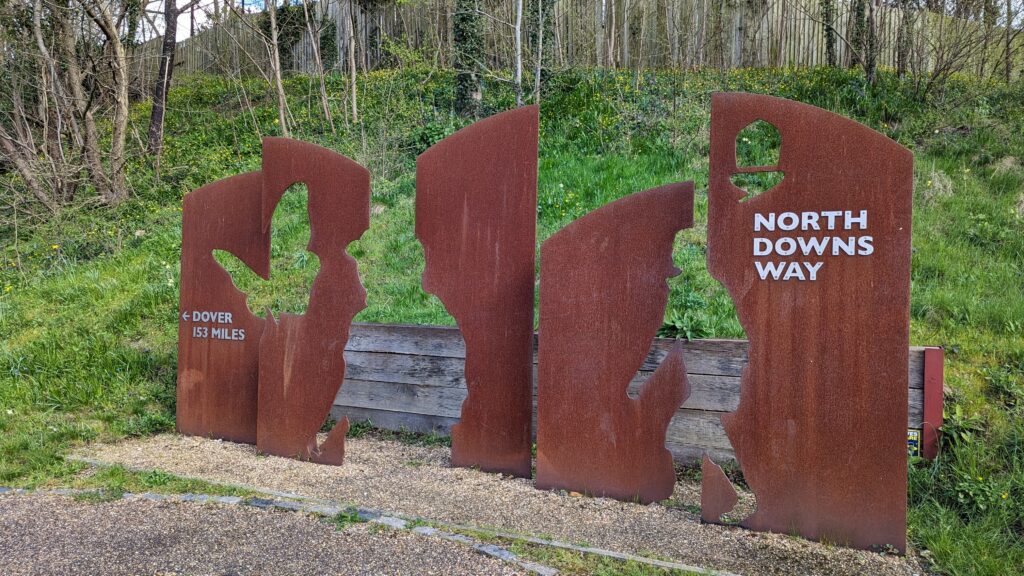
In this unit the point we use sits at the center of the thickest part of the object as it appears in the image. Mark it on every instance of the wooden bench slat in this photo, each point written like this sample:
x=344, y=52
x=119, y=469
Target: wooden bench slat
x=714, y=357
x=411, y=377
x=447, y=401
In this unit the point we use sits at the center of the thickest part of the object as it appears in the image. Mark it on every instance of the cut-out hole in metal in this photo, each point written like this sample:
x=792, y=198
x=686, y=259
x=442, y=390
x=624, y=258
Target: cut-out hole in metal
x=755, y=183
x=292, y=266
x=757, y=159
x=758, y=145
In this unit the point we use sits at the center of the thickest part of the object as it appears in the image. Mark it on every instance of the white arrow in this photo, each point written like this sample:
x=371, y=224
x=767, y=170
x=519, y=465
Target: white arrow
x=184, y=316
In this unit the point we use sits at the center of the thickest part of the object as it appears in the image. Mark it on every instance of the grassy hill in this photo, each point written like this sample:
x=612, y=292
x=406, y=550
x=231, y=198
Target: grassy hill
x=88, y=309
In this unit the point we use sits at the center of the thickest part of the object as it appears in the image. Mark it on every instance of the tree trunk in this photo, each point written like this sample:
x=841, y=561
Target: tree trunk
x=519, y=53
x=349, y=23
x=163, y=78
x=542, y=17
x=871, y=45
x=1008, y=68
x=858, y=38
x=625, y=34
x=672, y=31
x=275, y=64
x=118, y=188
x=101, y=16
x=828, y=16
x=903, y=38
x=82, y=104
x=314, y=39
x=468, y=48
x=753, y=14
x=599, y=32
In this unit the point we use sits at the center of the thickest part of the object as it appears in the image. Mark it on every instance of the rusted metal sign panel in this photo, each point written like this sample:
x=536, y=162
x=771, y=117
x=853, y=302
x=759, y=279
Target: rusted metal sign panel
x=933, y=396
x=301, y=357
x=476, y=214
x=603, y=296
x=218, y=337
x=819, y=269
x=269, y=382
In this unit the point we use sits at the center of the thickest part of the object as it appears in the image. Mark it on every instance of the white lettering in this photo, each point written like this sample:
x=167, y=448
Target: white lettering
x=850, y=219
x=848, y=245
x=762, y=246
x=816, y=245
x=812, y=269
x=794, y=271
x=788, y=242
x=760, y=221
x=832, y=215
x=866, y=247
x=788, y=221
x=766, y=268
x=809, y=221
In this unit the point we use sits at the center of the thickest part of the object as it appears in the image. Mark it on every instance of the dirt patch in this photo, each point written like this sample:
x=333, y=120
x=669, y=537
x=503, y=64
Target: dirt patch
x=418, y=481
x=938, y=185
x=1006, y=164
x=45, y=534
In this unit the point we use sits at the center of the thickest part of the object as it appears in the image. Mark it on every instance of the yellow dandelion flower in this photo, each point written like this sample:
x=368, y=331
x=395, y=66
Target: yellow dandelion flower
x=55, y=246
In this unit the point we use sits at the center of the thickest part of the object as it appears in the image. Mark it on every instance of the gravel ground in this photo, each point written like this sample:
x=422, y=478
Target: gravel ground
x=45, y=534
x=418, y=481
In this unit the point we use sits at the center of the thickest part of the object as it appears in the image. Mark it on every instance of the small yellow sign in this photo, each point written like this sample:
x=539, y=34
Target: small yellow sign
x=913, y=442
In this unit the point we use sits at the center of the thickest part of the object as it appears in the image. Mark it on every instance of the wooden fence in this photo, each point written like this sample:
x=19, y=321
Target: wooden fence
x=657, y=33
x=231, y=48
x=411, y=377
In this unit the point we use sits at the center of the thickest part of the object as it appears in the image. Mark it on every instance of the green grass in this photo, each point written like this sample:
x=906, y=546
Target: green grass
x=366, y=429
x=89, y=298
x=118, y=480
x=346, y=518
x=567, y=561
x=574, y=563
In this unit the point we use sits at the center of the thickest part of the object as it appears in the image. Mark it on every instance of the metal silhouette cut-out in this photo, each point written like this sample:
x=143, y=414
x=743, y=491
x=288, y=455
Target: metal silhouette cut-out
x=269, y=382
x=717, y=495
x=819, y=270
x=302, y=362
x=476, y=214
x=218, y=336
x=603, y=296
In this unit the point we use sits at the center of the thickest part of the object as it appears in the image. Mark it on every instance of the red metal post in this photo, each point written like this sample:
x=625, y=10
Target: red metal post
x=934, y=382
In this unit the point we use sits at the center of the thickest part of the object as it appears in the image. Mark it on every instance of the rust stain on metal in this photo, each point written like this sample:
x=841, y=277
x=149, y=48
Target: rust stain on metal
x=301, y=357
x=217, y=377
x=717, y=496
x=603, y=297
x=476, y=214
x=820, y=432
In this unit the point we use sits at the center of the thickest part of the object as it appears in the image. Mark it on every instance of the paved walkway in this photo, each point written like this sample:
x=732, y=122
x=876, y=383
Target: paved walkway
x=47, y=534
x=419, y=482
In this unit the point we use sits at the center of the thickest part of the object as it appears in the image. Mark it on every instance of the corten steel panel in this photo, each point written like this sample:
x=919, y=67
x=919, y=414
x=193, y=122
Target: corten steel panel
x=602, y=299
x=218, y=360
x=820, y=432
x=933, y=397
x=476, y=215
x=301, y=360
x=718, y=495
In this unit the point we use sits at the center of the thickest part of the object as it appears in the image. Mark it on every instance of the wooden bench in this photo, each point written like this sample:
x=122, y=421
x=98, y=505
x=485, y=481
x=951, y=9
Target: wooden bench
x=411, y=377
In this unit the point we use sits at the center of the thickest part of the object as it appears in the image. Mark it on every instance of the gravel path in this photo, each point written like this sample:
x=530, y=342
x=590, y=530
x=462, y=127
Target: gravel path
x=45, y=534
x=418, y=481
